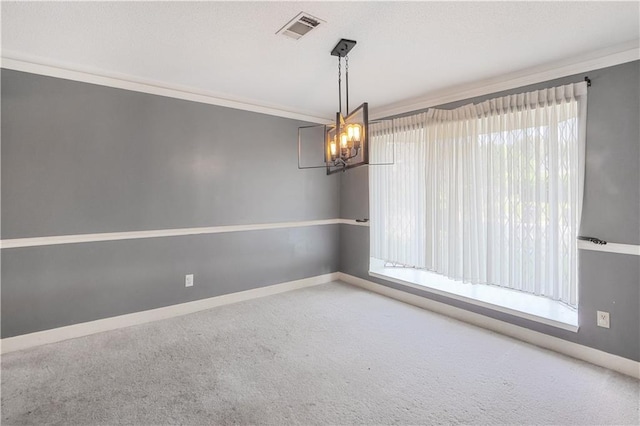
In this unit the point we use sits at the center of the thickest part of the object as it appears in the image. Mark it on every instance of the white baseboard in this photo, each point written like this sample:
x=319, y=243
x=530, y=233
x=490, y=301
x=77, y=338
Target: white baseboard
x=585, y=353
x=575, y=350
x=30, y=340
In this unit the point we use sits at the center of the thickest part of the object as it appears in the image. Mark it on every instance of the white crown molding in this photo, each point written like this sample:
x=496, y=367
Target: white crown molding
x=626, y=52
x=25, y=341
x=15, y=62
x=616, y=55
x=574, y=350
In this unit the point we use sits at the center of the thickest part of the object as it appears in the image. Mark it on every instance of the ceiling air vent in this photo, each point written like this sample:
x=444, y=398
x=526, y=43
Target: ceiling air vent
x=300, y=25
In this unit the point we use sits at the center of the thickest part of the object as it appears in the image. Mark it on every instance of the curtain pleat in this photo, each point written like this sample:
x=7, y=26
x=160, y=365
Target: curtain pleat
x=487, y=193
x=397, y=205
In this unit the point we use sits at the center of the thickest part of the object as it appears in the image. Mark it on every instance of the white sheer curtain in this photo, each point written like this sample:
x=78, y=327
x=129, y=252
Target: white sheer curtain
x=397, y=195
x=488, y=193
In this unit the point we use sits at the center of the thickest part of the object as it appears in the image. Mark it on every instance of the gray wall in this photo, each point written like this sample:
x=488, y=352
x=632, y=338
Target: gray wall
x=80, y=158
x=608, y=282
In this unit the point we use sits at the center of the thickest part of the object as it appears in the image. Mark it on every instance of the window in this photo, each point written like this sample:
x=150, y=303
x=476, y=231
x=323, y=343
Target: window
x=486, y=194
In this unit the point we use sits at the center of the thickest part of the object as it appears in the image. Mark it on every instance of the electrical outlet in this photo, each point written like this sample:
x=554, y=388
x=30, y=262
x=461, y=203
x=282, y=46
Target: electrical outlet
x=188, y=280
x=603, y=319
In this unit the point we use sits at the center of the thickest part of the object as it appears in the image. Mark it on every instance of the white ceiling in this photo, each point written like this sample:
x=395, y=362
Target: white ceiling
x=230, y=49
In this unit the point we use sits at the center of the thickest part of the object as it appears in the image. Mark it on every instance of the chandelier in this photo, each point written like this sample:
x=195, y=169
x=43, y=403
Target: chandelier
x=346, y=141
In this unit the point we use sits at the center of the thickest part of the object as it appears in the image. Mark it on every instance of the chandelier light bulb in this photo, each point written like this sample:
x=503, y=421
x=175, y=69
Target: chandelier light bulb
x=355, y=128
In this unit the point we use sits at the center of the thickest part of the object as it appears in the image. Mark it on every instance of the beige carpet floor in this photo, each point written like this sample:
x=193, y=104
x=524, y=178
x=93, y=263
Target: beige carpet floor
x=331, y=354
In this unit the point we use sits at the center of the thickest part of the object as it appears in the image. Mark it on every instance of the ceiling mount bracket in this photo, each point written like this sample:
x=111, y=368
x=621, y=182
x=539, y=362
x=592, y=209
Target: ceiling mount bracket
x=343, y=47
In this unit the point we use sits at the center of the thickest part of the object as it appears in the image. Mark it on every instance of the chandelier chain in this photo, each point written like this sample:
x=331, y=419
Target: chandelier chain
x=340, y=84
x=346, y=68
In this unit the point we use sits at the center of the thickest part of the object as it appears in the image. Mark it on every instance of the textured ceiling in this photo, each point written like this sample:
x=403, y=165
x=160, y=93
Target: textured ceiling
x=230, y=49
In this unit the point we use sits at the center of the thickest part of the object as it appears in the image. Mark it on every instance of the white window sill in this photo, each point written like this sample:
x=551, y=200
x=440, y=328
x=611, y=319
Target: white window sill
x=523, y=305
